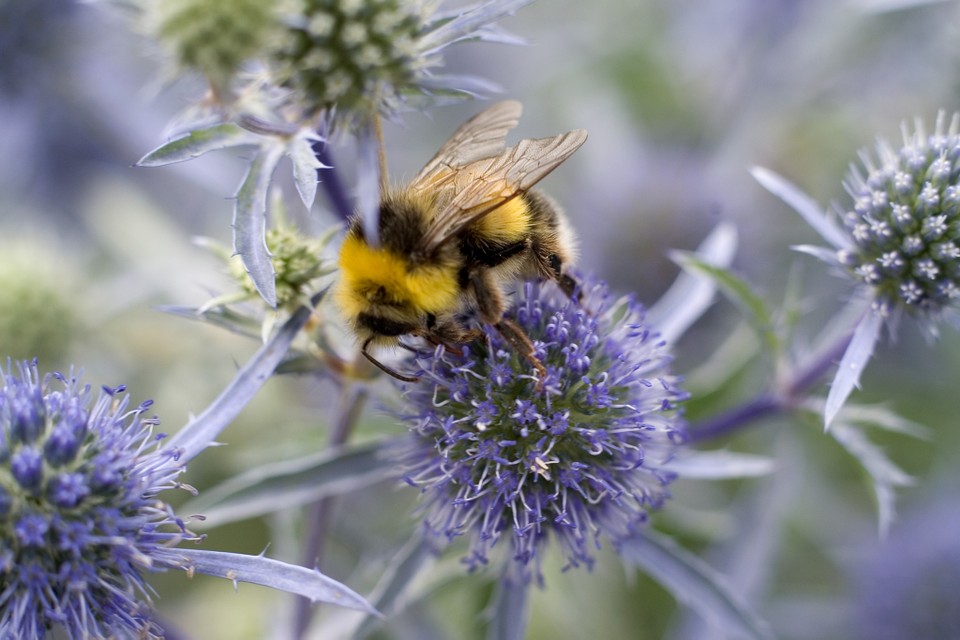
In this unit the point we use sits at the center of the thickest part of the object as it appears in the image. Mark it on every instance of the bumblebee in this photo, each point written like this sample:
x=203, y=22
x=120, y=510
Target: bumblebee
x=455, y=237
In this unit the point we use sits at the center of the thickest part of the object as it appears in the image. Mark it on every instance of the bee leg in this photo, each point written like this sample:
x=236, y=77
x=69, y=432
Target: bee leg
x=384, y=367
x=491, y=306
x=489, y=298
x=521, y=343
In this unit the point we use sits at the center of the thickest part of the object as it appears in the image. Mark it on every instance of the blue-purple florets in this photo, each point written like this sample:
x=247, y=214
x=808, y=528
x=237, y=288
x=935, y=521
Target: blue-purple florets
x=908, y=584
x=905, y=221
x=578, y=457
x=79, y=516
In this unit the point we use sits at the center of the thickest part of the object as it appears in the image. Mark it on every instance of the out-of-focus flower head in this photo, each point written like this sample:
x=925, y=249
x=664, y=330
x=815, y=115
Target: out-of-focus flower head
x=576, y=458
x=908, y=586
x=352, y=59
x=80, y=516
x=37, y=315
x=214, y=37
x=899, y=240
x=905, y=222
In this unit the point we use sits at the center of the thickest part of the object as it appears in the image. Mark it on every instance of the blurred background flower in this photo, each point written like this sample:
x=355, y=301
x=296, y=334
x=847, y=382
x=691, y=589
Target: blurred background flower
x=907, y=585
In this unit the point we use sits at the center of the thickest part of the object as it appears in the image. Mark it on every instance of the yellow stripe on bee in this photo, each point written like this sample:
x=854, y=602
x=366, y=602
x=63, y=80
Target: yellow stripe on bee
x=507, y=223
x=365, y=269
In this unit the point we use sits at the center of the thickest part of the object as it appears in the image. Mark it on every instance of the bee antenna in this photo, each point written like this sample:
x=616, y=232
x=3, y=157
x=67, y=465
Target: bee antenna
x=382, y=366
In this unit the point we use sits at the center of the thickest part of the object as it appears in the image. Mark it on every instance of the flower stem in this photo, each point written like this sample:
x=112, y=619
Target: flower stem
x=381, y=152
x=320, y=514
x=330, y=181
x=771, y=402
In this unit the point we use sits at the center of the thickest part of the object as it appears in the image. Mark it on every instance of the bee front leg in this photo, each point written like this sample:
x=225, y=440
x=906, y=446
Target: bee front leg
x=521, y=343
x=491, y=306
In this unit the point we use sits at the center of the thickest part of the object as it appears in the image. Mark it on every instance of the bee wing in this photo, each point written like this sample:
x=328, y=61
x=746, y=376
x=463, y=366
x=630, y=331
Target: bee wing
x=483, y=185
x=479, y=137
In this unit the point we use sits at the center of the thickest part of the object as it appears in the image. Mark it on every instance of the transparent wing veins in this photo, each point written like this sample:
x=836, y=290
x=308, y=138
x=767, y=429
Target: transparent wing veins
x=482, y=136
x=483, y=185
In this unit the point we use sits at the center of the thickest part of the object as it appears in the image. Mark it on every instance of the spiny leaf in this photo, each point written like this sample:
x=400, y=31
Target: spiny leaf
x=738, y=291
x=238, y=567
x=250, y=222
x=693, y=583
x=886, y=476
x=291, y=483
x=803, y=204
x=218, y=316
x=719, y=465
x=196, y=143
x=394, y=586
x=852, y=364
x=305, y=166
x=202, y=431
x=691, y=295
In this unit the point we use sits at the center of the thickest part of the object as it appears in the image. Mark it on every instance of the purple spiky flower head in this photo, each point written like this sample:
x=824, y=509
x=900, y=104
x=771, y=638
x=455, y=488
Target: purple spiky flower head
x=576, y=458
x=80, y=517
x=907, y=585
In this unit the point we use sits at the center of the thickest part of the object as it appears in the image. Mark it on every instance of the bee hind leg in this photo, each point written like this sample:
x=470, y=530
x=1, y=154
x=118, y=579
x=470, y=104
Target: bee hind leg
x=491, y=306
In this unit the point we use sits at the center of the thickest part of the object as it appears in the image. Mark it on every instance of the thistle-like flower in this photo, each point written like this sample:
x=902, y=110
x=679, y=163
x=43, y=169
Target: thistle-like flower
x=576, y=457
x=297, y=262
x=80, y=520
x=908, y=583
x=899, y=240
x=905, y=222
x=355, y=59
x=214, y=37
x=38, y=313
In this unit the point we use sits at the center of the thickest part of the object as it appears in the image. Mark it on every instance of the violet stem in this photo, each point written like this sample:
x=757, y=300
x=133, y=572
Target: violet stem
x=770, y=402
x=320, y=514
x=330, y=181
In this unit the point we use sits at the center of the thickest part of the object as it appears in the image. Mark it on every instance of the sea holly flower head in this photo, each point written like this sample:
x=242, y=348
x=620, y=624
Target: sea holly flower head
x=904, y=221
x=907, y=584
x=575, y=456
x=80, y=517
x=215, y=37
x=899, y=240
x=352, y=59
x=297, y=261
x=38, y=309
x=350, y=52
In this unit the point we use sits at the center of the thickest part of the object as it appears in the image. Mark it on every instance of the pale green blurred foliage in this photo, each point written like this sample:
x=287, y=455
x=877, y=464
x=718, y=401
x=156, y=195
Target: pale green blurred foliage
x=39, y=314
x=214, y=37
